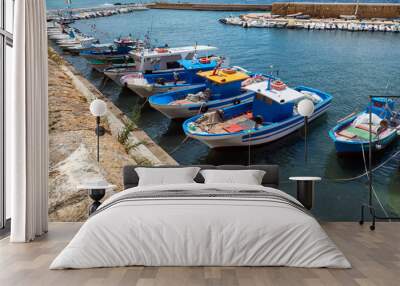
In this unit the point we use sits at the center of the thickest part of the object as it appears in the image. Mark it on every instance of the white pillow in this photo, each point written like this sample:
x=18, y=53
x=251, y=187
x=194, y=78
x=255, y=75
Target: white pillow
x=166, y=176
x=247, y=177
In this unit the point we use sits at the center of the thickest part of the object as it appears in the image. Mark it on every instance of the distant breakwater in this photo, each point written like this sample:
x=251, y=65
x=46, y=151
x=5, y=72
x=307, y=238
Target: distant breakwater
x=210, y=6
x=315, y=10
x=93, y=12
x=335, y=10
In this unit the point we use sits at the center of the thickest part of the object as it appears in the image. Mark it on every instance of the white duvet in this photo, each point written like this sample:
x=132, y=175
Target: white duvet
x=200, y=231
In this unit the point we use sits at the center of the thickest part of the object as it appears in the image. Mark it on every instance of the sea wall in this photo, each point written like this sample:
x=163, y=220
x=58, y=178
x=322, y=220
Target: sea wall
x=209, y=6
x=72, y=142
x=334, y=10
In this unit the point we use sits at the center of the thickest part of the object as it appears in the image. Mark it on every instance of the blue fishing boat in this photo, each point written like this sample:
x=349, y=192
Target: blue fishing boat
x=118, y=53
x=147, y=84
x=121, y=46
x=352, y=134
x=270, y=116
x=222, y=88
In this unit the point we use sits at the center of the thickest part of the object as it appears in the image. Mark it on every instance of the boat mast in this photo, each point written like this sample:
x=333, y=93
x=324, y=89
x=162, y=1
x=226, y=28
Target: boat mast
x=69, y=8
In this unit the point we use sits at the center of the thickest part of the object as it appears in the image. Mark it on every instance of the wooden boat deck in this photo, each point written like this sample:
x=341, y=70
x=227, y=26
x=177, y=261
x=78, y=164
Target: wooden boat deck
x=375, y=256
x=242, y=122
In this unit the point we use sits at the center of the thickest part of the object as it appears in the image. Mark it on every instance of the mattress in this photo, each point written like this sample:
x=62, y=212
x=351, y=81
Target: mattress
x=201, y=225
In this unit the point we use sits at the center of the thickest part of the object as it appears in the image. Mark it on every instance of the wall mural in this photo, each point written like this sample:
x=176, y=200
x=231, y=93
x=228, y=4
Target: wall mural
x=189, y=87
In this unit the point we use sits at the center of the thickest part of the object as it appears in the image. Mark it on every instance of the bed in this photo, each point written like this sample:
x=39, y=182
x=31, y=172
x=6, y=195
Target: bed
x=201, y=224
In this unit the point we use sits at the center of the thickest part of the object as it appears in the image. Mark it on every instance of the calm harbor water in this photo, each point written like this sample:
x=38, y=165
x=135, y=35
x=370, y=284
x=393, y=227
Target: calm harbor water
x=348, y=65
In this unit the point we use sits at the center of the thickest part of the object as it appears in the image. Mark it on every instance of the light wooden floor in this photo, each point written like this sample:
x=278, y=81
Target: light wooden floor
x=375, y=257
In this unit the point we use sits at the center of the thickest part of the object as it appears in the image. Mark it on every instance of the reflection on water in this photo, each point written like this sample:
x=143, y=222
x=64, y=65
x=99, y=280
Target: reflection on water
x=348, y=65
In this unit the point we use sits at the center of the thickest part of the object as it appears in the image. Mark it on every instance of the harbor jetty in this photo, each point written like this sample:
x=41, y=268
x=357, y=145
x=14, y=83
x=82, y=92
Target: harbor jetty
x=210, y=6
x=93, y=12
x=304, y=21
x=316, y=10
x=103, y=8
x=335, y=10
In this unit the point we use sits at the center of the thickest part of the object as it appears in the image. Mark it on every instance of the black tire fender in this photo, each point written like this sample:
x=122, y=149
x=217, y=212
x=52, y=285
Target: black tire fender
x=203, y=108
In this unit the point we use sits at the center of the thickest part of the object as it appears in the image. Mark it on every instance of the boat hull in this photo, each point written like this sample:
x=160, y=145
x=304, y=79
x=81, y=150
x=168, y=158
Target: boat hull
x=149, y=90
x=344, y=147
x=256, y=138
x=189, y=110
x=358, y=145
x=262, y=134
x=117, y=74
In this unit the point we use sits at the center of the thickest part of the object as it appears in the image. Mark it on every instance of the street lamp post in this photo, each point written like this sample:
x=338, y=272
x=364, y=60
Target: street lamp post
x=305, y=109
x=98, y=108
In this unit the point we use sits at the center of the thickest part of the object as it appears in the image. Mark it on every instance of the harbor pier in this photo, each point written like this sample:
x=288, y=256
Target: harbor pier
x=315, y=10
x=335, y=10
x=98, y=9
x=210, y=6
x=94, y=12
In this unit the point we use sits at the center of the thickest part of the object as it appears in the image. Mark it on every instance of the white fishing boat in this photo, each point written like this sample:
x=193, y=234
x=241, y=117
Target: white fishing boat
x=77, y=42
x=270, y=116
x=166, y=58
x=153, y=61
x=117, y=71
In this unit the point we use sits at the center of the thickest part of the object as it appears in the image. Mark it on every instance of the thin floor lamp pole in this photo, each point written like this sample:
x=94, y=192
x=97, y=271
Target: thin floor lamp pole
x=370, y=152
x=305, y=139
x=98, y=137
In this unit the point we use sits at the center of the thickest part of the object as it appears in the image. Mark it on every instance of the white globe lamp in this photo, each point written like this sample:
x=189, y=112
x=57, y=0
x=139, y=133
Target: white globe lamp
x=98, y=108
x=305, y=109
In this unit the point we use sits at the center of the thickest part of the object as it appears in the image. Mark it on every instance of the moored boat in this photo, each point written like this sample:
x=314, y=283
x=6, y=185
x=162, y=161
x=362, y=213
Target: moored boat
x=116, y=72
x=157, y=60
x=352, y=134
x=223, y=88
x=115, y=54
x=270, y=116
x=149, y=84
x=166, y=58
x=88, y=46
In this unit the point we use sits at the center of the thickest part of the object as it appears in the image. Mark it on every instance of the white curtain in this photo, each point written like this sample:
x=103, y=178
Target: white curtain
x=27, y=124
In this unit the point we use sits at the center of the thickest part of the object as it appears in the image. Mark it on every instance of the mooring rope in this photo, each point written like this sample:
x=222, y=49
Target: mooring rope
x=187, y=137
x=180, y=144
x=144, y=103
x=366, y=173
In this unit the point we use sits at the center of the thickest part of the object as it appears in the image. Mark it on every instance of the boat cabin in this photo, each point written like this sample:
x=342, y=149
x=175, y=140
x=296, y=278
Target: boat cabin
x=187, y=75
x=274, y=101
x=381, y=107
x=194, y=66
x=224, y=82
x=124, y=45
x=148, y=60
